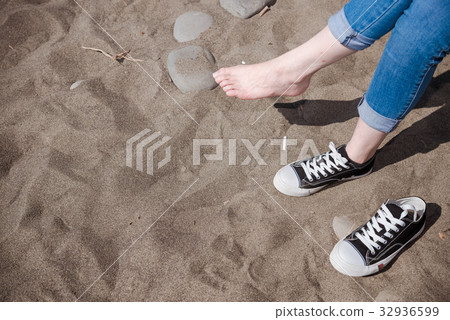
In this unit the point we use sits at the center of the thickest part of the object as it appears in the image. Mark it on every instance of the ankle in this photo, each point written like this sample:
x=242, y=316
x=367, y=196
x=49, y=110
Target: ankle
x=364, y=142
x=359, y=156
x=298, y=63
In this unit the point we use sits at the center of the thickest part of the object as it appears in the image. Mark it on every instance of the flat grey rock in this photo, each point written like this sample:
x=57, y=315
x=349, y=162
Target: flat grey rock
x=191, y=69
x=190, y=25
x=342, y=226
x=245, y=8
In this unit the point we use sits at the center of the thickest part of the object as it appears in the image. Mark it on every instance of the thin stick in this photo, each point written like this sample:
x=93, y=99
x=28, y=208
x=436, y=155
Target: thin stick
x=121, y=55
x=117, y=57
x=263, y=11
x=99, y=50
x=132, y=59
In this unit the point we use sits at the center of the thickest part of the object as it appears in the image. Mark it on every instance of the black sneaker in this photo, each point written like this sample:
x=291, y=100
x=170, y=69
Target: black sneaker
x=372, y=246
x=306, y=177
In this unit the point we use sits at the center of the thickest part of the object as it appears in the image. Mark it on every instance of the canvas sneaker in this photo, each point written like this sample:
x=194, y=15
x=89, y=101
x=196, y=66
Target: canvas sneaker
x=372, y=246
x=306, y=177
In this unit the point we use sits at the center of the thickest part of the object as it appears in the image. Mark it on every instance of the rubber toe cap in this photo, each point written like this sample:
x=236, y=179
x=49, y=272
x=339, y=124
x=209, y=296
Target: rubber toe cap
x=289, y=177
x=349, y=254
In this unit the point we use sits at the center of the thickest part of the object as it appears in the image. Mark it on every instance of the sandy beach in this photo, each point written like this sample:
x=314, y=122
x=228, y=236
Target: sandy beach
x=76, y=223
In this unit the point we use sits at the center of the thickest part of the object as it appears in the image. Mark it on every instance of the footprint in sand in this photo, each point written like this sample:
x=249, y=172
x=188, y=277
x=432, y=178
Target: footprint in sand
x=211, y=275
x=27, y=30
x=232, y=270
x=218, y=274
x=229, y=248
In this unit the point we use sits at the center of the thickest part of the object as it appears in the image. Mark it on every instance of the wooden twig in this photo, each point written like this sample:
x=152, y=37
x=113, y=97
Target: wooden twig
x=263, y=11
x=118, y=57
x=99, y=50
x=122, y=55
x=11, y=47
x=132, y=59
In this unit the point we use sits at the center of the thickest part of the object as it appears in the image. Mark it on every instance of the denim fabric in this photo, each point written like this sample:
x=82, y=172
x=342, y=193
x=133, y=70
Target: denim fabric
x=419, y=41
x=361, y=22
x=349, y=37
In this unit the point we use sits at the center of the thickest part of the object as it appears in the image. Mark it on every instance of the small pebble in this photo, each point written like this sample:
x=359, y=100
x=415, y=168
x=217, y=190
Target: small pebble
x=76, y=84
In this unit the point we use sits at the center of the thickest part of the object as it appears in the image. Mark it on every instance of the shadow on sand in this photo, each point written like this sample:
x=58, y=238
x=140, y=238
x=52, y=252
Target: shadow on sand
x=422, y=137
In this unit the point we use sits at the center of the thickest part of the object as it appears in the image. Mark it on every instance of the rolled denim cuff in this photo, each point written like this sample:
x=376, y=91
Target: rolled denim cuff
x=375, y=120
x=345, y=34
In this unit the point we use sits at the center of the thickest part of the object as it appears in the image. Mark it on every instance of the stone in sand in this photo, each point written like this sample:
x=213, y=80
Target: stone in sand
x=342, y=226
x=190, y=25
x=191, y=68
x=245, y=8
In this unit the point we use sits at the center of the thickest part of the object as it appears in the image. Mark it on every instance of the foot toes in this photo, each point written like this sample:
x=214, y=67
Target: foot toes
x=232, y=93
x=225, y=83
x=228, y=88
x=220, y=75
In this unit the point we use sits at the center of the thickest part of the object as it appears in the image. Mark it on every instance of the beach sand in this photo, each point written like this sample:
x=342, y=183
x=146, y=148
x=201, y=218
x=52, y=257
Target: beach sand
x=77, y=223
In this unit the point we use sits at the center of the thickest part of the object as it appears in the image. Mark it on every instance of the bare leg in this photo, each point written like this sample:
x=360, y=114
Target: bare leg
x=288, y=74
x=364, y=142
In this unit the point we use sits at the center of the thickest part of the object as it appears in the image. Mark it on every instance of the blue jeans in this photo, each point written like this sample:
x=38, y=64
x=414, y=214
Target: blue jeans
x=420, y=39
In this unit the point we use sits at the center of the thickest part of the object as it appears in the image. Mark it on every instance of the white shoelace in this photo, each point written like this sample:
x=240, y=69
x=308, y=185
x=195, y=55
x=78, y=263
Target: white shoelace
x=367, y=234
x=315, y=166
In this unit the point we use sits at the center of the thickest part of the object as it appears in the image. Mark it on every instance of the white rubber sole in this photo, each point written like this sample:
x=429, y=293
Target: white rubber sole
x=299, y=192
x=360, y=271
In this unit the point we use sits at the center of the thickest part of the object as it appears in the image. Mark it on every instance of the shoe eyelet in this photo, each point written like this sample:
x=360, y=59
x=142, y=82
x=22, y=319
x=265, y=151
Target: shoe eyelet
x=325, y=175
x=310, y=179
x=385, y=242
x=332, y=171
x=391, y=236
x=372, y=253
x=379, y=247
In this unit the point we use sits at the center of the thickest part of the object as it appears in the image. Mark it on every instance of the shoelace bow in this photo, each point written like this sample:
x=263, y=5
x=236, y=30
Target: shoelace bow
x=385, y=218
x=330, y=160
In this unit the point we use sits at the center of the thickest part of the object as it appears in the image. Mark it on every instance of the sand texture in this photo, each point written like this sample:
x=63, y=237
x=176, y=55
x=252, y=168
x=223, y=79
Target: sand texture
x=71, y=210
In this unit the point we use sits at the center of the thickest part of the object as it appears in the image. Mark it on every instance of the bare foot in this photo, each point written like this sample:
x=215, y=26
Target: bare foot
x=287, y=75
x=261, y=80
